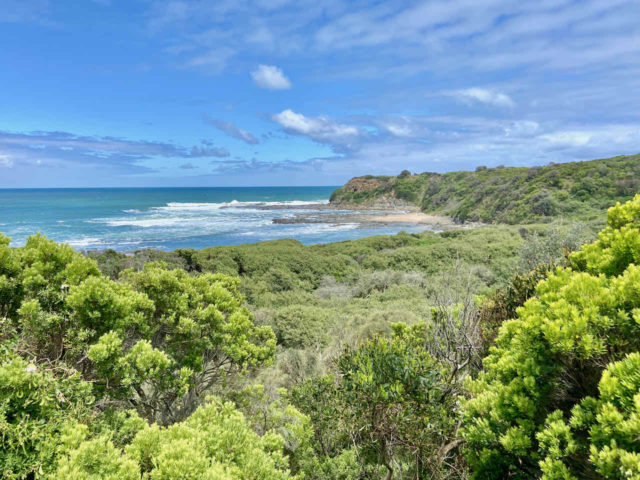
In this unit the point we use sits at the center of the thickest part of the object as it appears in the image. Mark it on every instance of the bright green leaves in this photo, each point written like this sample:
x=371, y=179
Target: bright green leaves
x=558, y=442
x=96, y=459
x=201, y=316
x=156, y=339
x=140, y=367
x=215, y=443
x=268, y=415
x=549, y=360
x=605, y=431
x=10, y=286
x=34, y=408
x=615, y=434
x=100, y=305
x=49, y=269
x=618, y=245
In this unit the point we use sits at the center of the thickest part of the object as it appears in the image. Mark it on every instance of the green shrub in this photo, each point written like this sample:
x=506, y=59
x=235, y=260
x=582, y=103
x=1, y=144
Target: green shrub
x=552, y=355
x=157, y=339
x=215, y=443
x=300, y=326
x=35, y=406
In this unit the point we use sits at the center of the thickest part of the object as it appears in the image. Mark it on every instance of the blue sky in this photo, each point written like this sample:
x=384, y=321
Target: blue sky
x=284, y=92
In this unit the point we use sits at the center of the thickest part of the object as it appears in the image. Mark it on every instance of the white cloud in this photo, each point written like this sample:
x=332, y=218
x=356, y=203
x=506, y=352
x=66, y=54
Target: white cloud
x=19, y=11
x=621, y=137
x=112, y=154
x=232, y=130
x=321, y=129
x=213, y=61
x=568, y=139
x=399, y=130
x=399, y=126
x=488, y=97
x=522, y=128
x=6, y=161
x=270, y=77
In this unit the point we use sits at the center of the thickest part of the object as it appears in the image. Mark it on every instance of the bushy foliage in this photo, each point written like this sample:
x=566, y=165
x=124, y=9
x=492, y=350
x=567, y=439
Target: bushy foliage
x=601, y=435
x=135, y=348
x=300, y=326
x=215, y=443
x=270, y=412
x=503, y=304
x=35, y=406
x=388, y=404
x=156, y=339
x=552, y=246
x=552, y=356
x=10, y=287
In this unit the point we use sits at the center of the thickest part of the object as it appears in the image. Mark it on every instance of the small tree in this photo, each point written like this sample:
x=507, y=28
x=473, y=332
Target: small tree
x=157, y=340
x=396, y=404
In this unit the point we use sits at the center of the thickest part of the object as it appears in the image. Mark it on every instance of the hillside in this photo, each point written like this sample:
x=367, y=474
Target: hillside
x=503, y=194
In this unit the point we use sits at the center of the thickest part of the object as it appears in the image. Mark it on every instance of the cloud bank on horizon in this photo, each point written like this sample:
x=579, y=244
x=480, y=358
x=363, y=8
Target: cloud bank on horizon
x=283, y=92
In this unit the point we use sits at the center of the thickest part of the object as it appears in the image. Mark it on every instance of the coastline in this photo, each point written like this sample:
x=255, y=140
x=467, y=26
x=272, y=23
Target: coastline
x=201, y=218
x=373, y=216
x=415, y=217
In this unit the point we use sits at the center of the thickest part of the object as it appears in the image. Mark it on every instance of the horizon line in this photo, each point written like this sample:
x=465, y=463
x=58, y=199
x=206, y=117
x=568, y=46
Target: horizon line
x=150, y=187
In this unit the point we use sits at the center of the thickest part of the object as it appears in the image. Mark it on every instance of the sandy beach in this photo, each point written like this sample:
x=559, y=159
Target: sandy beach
x=413, y=217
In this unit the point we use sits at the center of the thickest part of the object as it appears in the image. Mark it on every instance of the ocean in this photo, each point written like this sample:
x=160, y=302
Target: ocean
x=128, y=219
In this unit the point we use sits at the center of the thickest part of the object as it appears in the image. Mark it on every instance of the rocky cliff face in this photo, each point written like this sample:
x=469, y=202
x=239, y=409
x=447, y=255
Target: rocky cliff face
x=370, y=193
x=362, y=184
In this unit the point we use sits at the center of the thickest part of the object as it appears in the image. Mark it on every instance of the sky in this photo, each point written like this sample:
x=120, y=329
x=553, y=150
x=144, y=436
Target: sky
x=124, y=93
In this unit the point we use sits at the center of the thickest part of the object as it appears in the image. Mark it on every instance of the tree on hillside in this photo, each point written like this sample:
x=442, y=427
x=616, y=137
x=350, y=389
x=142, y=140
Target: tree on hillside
x=156, y=340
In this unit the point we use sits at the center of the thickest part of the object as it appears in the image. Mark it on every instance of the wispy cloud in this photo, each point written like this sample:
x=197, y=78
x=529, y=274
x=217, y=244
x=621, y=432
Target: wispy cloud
x=270, y=77
x=481, y=95
x=209, y=151
x=231, y=130
x=452, y=34
x=243, y=167
x=19, y=11
x=387, y=145
x=213, y=61
x=379, y=86
x=63, y=148
x=321, y=129
x=6, y=161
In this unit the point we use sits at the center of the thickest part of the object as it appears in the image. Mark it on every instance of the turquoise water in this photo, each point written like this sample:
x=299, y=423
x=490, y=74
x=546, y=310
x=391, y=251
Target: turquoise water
x=128, y=219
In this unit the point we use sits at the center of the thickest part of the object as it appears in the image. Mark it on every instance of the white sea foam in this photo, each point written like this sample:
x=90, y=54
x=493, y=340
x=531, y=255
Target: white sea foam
x=303, y=229
x=85, y=242
x=181, y=206
x=101, y=243
x=196, y=224
x=144, y=222
x=196, y=221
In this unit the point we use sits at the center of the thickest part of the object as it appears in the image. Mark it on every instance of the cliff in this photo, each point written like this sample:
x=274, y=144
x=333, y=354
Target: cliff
x=502, y=194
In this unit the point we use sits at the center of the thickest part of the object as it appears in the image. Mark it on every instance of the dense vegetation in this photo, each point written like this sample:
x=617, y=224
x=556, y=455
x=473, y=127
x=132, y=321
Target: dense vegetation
x=494, y=352
x=506, y=194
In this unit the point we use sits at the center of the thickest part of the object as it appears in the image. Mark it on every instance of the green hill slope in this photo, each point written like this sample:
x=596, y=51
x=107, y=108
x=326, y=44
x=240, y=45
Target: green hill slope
x=504, y=194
